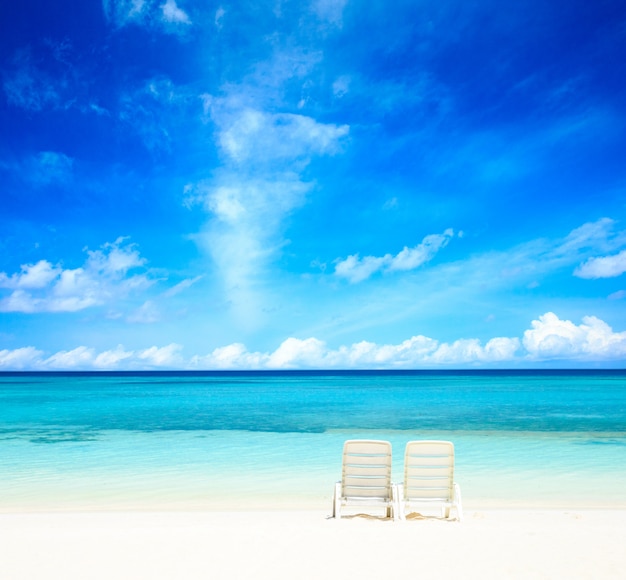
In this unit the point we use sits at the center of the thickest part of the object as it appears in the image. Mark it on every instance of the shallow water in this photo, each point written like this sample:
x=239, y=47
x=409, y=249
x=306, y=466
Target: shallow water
x=236, y=440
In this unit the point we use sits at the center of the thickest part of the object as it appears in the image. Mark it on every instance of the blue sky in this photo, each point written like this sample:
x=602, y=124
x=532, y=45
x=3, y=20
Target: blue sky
x=314, y=184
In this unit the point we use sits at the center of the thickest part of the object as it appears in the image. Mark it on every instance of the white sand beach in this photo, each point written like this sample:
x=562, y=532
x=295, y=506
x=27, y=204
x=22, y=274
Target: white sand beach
x=490, y=543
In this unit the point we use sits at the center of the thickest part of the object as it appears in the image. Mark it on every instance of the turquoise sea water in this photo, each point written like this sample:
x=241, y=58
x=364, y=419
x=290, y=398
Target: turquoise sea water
x=256, y=439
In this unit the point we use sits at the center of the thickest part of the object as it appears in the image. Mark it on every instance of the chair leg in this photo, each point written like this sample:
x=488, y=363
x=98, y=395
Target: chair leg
x=337, y=501
x=458, y=502
x=398, y=505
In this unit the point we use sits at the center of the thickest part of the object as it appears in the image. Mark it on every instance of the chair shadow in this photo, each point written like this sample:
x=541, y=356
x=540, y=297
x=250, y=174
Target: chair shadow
x=416, y=516
x=364, y=517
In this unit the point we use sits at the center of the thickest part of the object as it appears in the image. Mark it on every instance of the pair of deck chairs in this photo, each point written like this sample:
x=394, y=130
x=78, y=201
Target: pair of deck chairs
x=428, y=478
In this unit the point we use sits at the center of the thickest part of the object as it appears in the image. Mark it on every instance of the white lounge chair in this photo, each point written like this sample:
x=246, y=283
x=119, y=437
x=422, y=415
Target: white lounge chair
x=429, y=478
x=366, y=477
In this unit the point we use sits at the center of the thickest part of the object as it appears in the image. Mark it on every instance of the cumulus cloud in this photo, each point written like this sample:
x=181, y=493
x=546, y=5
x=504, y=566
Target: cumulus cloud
x=86, y=358
x=230, y=357
x=26, y=358
x=548, y=339
x=105, y=276
x=357, y=269
x=166, y=356
x=296, y=353
x=471, y=350
x=111, y=359
x=603, y=267
x=37, y=275
x=77, y=358
x=416, y=352
x=553, y=338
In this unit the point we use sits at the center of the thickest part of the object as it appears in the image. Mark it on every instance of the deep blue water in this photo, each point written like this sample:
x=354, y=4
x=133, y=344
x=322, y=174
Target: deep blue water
x=557, y=401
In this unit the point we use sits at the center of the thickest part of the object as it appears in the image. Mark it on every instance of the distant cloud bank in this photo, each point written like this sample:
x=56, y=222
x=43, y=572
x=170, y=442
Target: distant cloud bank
x=549, y=339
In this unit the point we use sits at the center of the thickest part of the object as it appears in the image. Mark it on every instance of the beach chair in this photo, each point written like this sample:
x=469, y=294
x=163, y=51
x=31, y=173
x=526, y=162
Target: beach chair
x=366, y=477
x=429, y=478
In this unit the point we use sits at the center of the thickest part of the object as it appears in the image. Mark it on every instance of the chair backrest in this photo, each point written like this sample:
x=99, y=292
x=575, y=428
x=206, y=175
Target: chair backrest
x=366, y=471
x=429, y=470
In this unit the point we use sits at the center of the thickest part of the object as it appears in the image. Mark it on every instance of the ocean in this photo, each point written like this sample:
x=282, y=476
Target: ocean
x=273, y=440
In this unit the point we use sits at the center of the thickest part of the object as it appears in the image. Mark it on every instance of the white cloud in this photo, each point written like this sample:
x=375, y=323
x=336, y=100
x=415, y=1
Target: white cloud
x=251, y=135
x=466, y=351
x=411, y=258
x=111, y=359
x=550, y=338
x=416, y=352
x=166, y=356
x=233, y=356
x=244, y=234
x=86, y=358
x=172, y=13
x=26, y=358
x=296, y=353
x=80, y=357
x=366, y=354
x=104, y=277
x=603, y=267
x=259, y=184
x=357, y=269
x=37, y=275
x=265, y=149
x=553, y=338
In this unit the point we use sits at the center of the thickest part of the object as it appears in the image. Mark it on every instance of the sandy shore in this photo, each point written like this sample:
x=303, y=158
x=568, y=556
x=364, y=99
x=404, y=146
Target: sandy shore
x=305, y=544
